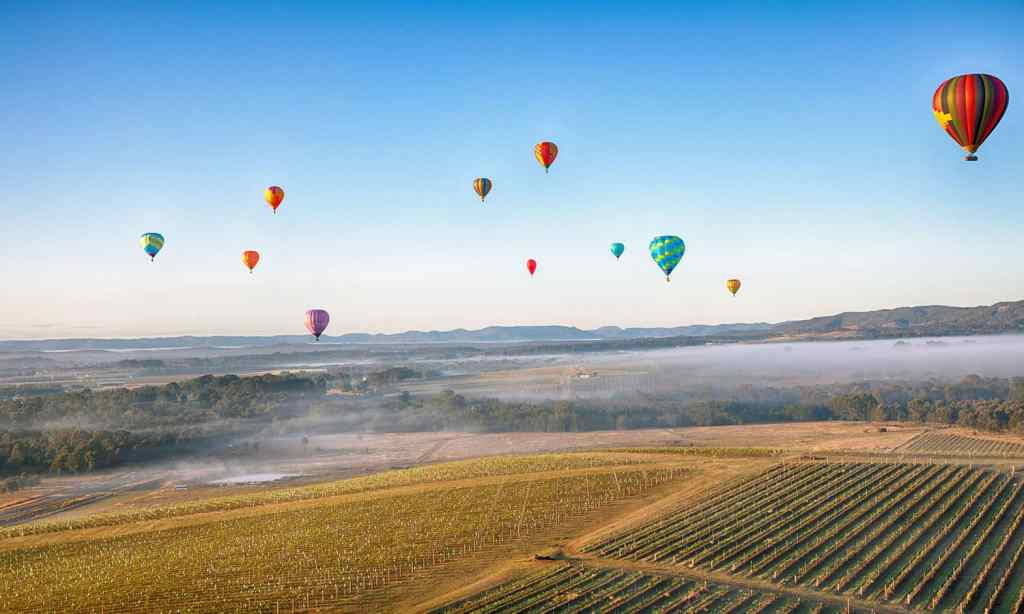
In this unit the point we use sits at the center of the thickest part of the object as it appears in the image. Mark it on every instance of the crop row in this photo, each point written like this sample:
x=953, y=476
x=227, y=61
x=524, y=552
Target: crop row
x=567, y=588
x=957, y=445
x=926, y=535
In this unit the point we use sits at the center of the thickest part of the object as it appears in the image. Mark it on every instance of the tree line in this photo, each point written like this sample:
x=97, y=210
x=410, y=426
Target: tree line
x=85, y=430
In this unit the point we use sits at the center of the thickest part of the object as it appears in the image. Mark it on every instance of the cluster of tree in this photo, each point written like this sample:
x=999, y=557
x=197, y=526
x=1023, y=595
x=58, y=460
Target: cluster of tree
x=161, y=420
x=451, y=411
x=75, y=451
x=17, y=482
x=375, y=380
x=994, y=404
x=194, y=401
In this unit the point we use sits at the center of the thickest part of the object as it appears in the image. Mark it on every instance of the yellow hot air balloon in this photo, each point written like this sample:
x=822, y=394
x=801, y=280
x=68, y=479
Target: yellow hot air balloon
x=733, y=285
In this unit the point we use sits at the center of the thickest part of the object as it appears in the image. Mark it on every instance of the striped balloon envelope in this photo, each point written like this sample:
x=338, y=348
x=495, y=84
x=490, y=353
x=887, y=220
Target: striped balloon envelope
x=152, y=243
x=483, y=186
x=969, y=107
x=317, y=321
x=667, y=251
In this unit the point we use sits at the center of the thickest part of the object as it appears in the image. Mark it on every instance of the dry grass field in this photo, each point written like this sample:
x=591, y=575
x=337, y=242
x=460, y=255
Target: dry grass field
x=727, y=519
x=341, y=545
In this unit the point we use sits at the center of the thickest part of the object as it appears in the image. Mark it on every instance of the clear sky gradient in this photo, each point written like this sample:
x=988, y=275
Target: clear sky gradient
x=790, y=144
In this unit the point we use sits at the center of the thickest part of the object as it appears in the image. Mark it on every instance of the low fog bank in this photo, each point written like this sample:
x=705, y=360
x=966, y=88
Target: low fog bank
x=260, y=424
x=731, y=366
x=831, y=361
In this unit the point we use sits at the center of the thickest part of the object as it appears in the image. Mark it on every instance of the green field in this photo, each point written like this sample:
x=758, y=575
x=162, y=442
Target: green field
x=926, y=536
x=567, y=588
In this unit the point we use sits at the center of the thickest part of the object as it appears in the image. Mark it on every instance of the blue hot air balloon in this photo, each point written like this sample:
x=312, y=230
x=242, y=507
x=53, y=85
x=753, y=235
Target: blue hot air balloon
x=152, y=243
x=667, y=251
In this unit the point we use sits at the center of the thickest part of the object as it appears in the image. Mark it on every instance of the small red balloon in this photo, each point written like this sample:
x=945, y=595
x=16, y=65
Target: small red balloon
x=531, y=265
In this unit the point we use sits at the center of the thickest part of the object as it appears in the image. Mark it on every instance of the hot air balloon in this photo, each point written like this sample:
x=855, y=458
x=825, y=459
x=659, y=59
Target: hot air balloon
x=152, y=243
x=617, y=249
x=545, y=152
x=482, y=186
x=316, y=322
x=250, y=258
x=531, y=266
x=274, y=195
x=968, y=107
x=733, y=286
x=667, y=251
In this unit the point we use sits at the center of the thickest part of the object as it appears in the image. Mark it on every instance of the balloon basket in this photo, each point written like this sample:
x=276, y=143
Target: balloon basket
x=971, y=158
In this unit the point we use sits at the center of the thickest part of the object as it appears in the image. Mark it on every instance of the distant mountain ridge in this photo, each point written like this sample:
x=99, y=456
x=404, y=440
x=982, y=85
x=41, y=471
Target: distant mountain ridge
x=490, y=334
x=937, y=320
x=932, y=320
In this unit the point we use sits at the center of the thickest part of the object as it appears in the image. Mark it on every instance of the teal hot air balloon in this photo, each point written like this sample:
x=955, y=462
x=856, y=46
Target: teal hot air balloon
x=667, y=251
x=617, y=249
x=151, y=243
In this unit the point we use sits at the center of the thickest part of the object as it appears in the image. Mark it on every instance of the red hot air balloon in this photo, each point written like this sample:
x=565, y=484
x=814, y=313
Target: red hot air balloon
x=250, y=258
x=273, y=195
x=316, y=322
x=545, y=152
x=531, y=266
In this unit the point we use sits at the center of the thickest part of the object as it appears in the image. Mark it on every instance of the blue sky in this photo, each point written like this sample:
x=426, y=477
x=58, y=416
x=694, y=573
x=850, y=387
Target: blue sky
x=791, y=144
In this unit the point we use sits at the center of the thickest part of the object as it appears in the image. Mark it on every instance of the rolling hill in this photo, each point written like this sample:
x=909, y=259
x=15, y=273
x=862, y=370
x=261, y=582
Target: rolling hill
x=932, y=320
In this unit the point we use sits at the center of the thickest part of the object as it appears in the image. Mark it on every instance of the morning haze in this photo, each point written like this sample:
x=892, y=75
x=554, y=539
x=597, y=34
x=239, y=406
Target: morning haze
x=539, y=307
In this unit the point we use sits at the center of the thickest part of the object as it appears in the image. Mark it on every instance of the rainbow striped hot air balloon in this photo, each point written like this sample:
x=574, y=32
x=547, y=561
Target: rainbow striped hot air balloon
x=969, y=107
x=483, y=186
x=152, y=243
x=733, y=285
x=316, y=322
x=667, y=251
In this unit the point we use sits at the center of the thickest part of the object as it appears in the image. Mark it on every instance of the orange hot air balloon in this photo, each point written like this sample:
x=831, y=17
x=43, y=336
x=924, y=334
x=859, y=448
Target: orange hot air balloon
x=250, y=258
x=733, y=285
x=274, y=195
x=545, y=152
x=531, y=266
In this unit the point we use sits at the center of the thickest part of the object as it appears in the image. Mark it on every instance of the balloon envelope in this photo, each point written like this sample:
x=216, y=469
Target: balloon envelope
x=617, y=249
x=274, y=195
x=545, y=152
x=482, y=186
x=531, y=266
x=250, y=258
x=733, y=285
x=667, y=251
x=968, y=107
x=316, y=322
x=152, y=243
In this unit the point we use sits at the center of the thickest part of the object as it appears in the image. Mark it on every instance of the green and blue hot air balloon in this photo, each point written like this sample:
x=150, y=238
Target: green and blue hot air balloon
x=667, y=251
x=617, y=249
x=151, y=243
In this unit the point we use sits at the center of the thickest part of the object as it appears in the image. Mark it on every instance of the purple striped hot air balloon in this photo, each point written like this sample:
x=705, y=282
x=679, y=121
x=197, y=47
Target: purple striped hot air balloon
x=316, y=322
